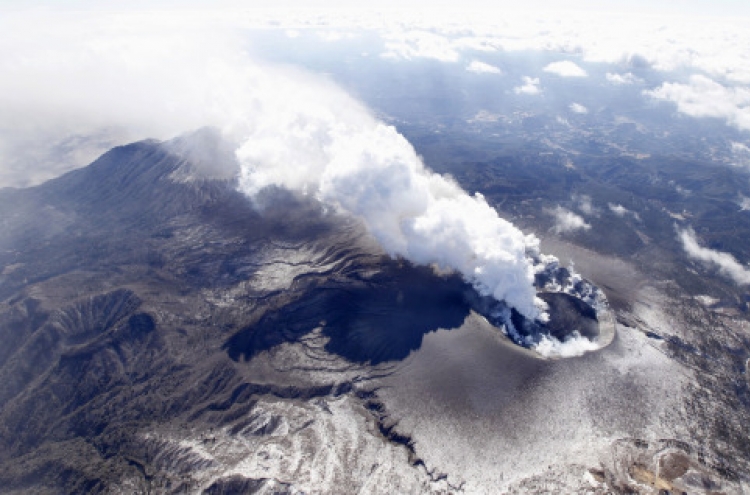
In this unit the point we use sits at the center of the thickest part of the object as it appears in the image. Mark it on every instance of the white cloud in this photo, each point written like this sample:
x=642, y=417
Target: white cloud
x=740, y=155
x=567, y=221
x=724, y=262
x=530, y=86
x=479, y=67
x=618, y=210
x=621, y=79
x=347, y=159
x=744, y=203
x=704, y=97
x=578, y=108
x=565, y=68
x=622, y=212
x=584, y=204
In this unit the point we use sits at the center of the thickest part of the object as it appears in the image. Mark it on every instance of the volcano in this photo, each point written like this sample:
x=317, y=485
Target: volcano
x=155, y=320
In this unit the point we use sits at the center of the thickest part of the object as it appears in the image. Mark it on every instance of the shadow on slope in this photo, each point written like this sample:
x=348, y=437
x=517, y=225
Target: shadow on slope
x=380, y=319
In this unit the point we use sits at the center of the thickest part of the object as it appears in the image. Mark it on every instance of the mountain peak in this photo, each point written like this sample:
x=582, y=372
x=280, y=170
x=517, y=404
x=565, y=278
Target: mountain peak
x=206, y=154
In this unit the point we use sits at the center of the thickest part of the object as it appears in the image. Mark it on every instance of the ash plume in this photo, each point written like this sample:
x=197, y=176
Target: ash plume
x=323, y=143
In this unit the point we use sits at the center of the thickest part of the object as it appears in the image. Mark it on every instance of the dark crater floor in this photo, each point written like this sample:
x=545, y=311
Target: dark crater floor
x=568, y=315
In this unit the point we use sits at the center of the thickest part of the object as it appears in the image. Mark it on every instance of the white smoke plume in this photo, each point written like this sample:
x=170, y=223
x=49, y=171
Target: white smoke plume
x=575, y=345
x=327, y=145
x=290, y=128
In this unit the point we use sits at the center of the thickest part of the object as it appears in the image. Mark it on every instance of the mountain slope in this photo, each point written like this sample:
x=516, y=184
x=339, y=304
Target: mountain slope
x=144, y=296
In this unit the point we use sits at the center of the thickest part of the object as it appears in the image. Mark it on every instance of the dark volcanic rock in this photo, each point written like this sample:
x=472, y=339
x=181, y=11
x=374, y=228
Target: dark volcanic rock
x=569, y=314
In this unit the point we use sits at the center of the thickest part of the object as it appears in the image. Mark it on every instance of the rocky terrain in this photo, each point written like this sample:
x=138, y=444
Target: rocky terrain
x=162, y=334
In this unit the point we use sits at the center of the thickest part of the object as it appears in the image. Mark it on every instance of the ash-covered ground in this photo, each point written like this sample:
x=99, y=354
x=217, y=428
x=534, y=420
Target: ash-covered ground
x=163, y=335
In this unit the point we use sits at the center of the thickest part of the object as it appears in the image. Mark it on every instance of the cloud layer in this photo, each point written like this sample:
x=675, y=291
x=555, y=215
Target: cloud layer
x=714, y=50
x=704, y=97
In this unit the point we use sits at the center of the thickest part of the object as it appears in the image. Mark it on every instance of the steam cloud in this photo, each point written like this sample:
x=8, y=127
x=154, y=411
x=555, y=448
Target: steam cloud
x=290, y=128
x=325, y=144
